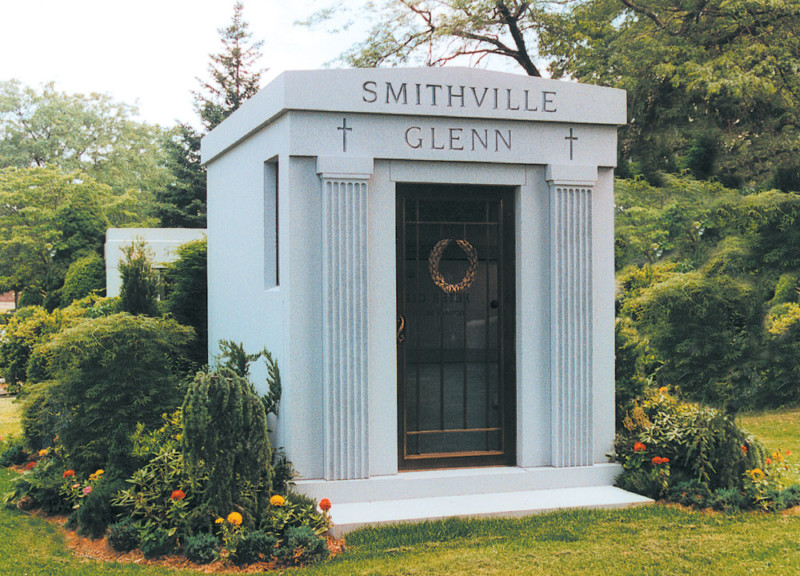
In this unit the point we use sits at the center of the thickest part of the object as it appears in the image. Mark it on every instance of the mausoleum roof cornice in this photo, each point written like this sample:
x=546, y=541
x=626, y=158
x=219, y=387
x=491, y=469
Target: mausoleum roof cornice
x=468, y=93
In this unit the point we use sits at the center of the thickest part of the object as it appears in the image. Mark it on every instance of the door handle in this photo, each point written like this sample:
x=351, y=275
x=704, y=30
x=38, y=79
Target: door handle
x=401, y=328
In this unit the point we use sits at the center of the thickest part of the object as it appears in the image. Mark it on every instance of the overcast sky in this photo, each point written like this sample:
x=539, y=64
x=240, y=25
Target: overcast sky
x=149, y=52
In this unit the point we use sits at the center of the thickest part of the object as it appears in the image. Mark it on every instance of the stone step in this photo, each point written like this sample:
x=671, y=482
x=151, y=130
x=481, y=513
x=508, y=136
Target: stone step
x=348, y=517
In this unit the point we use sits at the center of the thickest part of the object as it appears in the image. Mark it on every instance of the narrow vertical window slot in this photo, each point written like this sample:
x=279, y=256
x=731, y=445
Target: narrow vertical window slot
x=271, y=223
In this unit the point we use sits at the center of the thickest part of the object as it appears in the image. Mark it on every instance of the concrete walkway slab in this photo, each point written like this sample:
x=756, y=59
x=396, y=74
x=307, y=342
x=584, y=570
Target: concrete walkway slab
x=348, y=517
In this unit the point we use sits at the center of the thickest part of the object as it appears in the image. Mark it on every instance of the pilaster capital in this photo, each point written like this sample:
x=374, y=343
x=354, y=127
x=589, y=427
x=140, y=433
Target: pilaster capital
x=571, y=175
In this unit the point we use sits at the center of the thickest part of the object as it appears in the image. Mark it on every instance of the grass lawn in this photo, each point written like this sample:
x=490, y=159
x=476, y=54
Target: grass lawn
x=777, y=429
x=9, y=418
x=650, y=541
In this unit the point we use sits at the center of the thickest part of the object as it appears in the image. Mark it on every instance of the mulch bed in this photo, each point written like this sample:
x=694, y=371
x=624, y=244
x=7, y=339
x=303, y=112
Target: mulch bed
x=101, y=550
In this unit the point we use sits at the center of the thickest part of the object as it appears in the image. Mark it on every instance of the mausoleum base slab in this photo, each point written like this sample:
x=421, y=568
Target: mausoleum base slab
x=348, y=517
x=472, y=492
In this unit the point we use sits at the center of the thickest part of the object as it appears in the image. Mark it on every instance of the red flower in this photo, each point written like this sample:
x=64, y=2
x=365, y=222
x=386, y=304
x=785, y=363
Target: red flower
x=659, y=460
x=769, y=461
x=69, y=473
x=639, y=447
x=30, y=465
x=324, y=504
x=744, y=449
x=177, y=495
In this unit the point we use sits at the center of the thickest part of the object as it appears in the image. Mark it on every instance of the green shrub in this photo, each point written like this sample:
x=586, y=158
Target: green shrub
x=728, y=500
x=634, y=364
x=297, y=510
x=24, y=330
x=124, y=535
x=704, y=329
x=785, y=289
x=781, y=383
x=693, y=493
x=43, y=415
x=151, y=493
x=40, y=487
x=201, y=548
x=85, y=276
x=96, y=511
x=113, y=373
x=255, y=546
x=155, y=541
x=225, y=428
x=139, y=291
x=187, y=296
x=702, y=444
x=301, y=546
x=14, y=454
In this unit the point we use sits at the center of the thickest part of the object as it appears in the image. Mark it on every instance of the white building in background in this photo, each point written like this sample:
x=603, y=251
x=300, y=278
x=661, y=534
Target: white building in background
x=162, y=243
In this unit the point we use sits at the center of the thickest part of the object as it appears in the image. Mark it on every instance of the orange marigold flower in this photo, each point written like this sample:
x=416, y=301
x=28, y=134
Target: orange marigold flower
x=30, y=465
x=177, y=495
x=324, y=504
x=235, y=518
x=639, y=447
x=663, y=390
x=69, y=473
x=219, y=521
x=657, y=460
x=277, y=500
x=768, y=461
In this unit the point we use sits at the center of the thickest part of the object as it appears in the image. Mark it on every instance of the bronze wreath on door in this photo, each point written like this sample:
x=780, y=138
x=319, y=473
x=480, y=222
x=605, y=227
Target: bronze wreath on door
x=436, y=257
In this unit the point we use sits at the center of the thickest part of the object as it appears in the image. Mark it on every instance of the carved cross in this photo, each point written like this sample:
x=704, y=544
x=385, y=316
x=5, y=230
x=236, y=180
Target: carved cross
x=572, y=138
x=345, y=129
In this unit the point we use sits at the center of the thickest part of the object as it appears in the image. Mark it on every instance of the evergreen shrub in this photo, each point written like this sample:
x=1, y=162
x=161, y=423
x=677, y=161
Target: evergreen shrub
x=113, y=373
x=301, y=546
x=187, y=295
x=96, y=511
x=201, y=548
x=155, y=542
x=225, y=429
x=255, y=546
x=86, y=275
x=124, y=535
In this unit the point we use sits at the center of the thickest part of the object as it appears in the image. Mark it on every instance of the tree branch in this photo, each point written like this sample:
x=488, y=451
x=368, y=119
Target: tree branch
x=645, y=11
x=512, y=23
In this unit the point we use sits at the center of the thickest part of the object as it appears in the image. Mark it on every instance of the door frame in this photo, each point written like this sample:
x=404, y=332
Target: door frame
x=507, y=279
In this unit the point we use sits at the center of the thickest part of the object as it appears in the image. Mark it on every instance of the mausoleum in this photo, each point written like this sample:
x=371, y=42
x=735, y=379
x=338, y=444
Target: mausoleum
x=429, y=255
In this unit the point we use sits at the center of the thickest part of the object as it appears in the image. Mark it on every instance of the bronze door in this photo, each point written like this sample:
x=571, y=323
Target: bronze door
x=455, y=286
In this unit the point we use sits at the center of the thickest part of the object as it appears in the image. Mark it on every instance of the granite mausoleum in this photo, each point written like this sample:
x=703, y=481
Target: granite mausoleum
x=429, y=255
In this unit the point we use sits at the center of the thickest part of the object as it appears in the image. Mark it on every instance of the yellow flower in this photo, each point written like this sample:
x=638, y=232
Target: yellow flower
x=663, y=390
x=277, y=500
x=756, y=473
x=219, y=521
x=96, y=476
x=235, y=518
x=43, y=452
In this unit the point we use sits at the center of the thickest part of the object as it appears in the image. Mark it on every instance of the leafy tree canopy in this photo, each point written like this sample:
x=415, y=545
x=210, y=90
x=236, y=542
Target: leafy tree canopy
x=46, y=218
x=93, y=134
x=712, y=86
x=436, y=32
